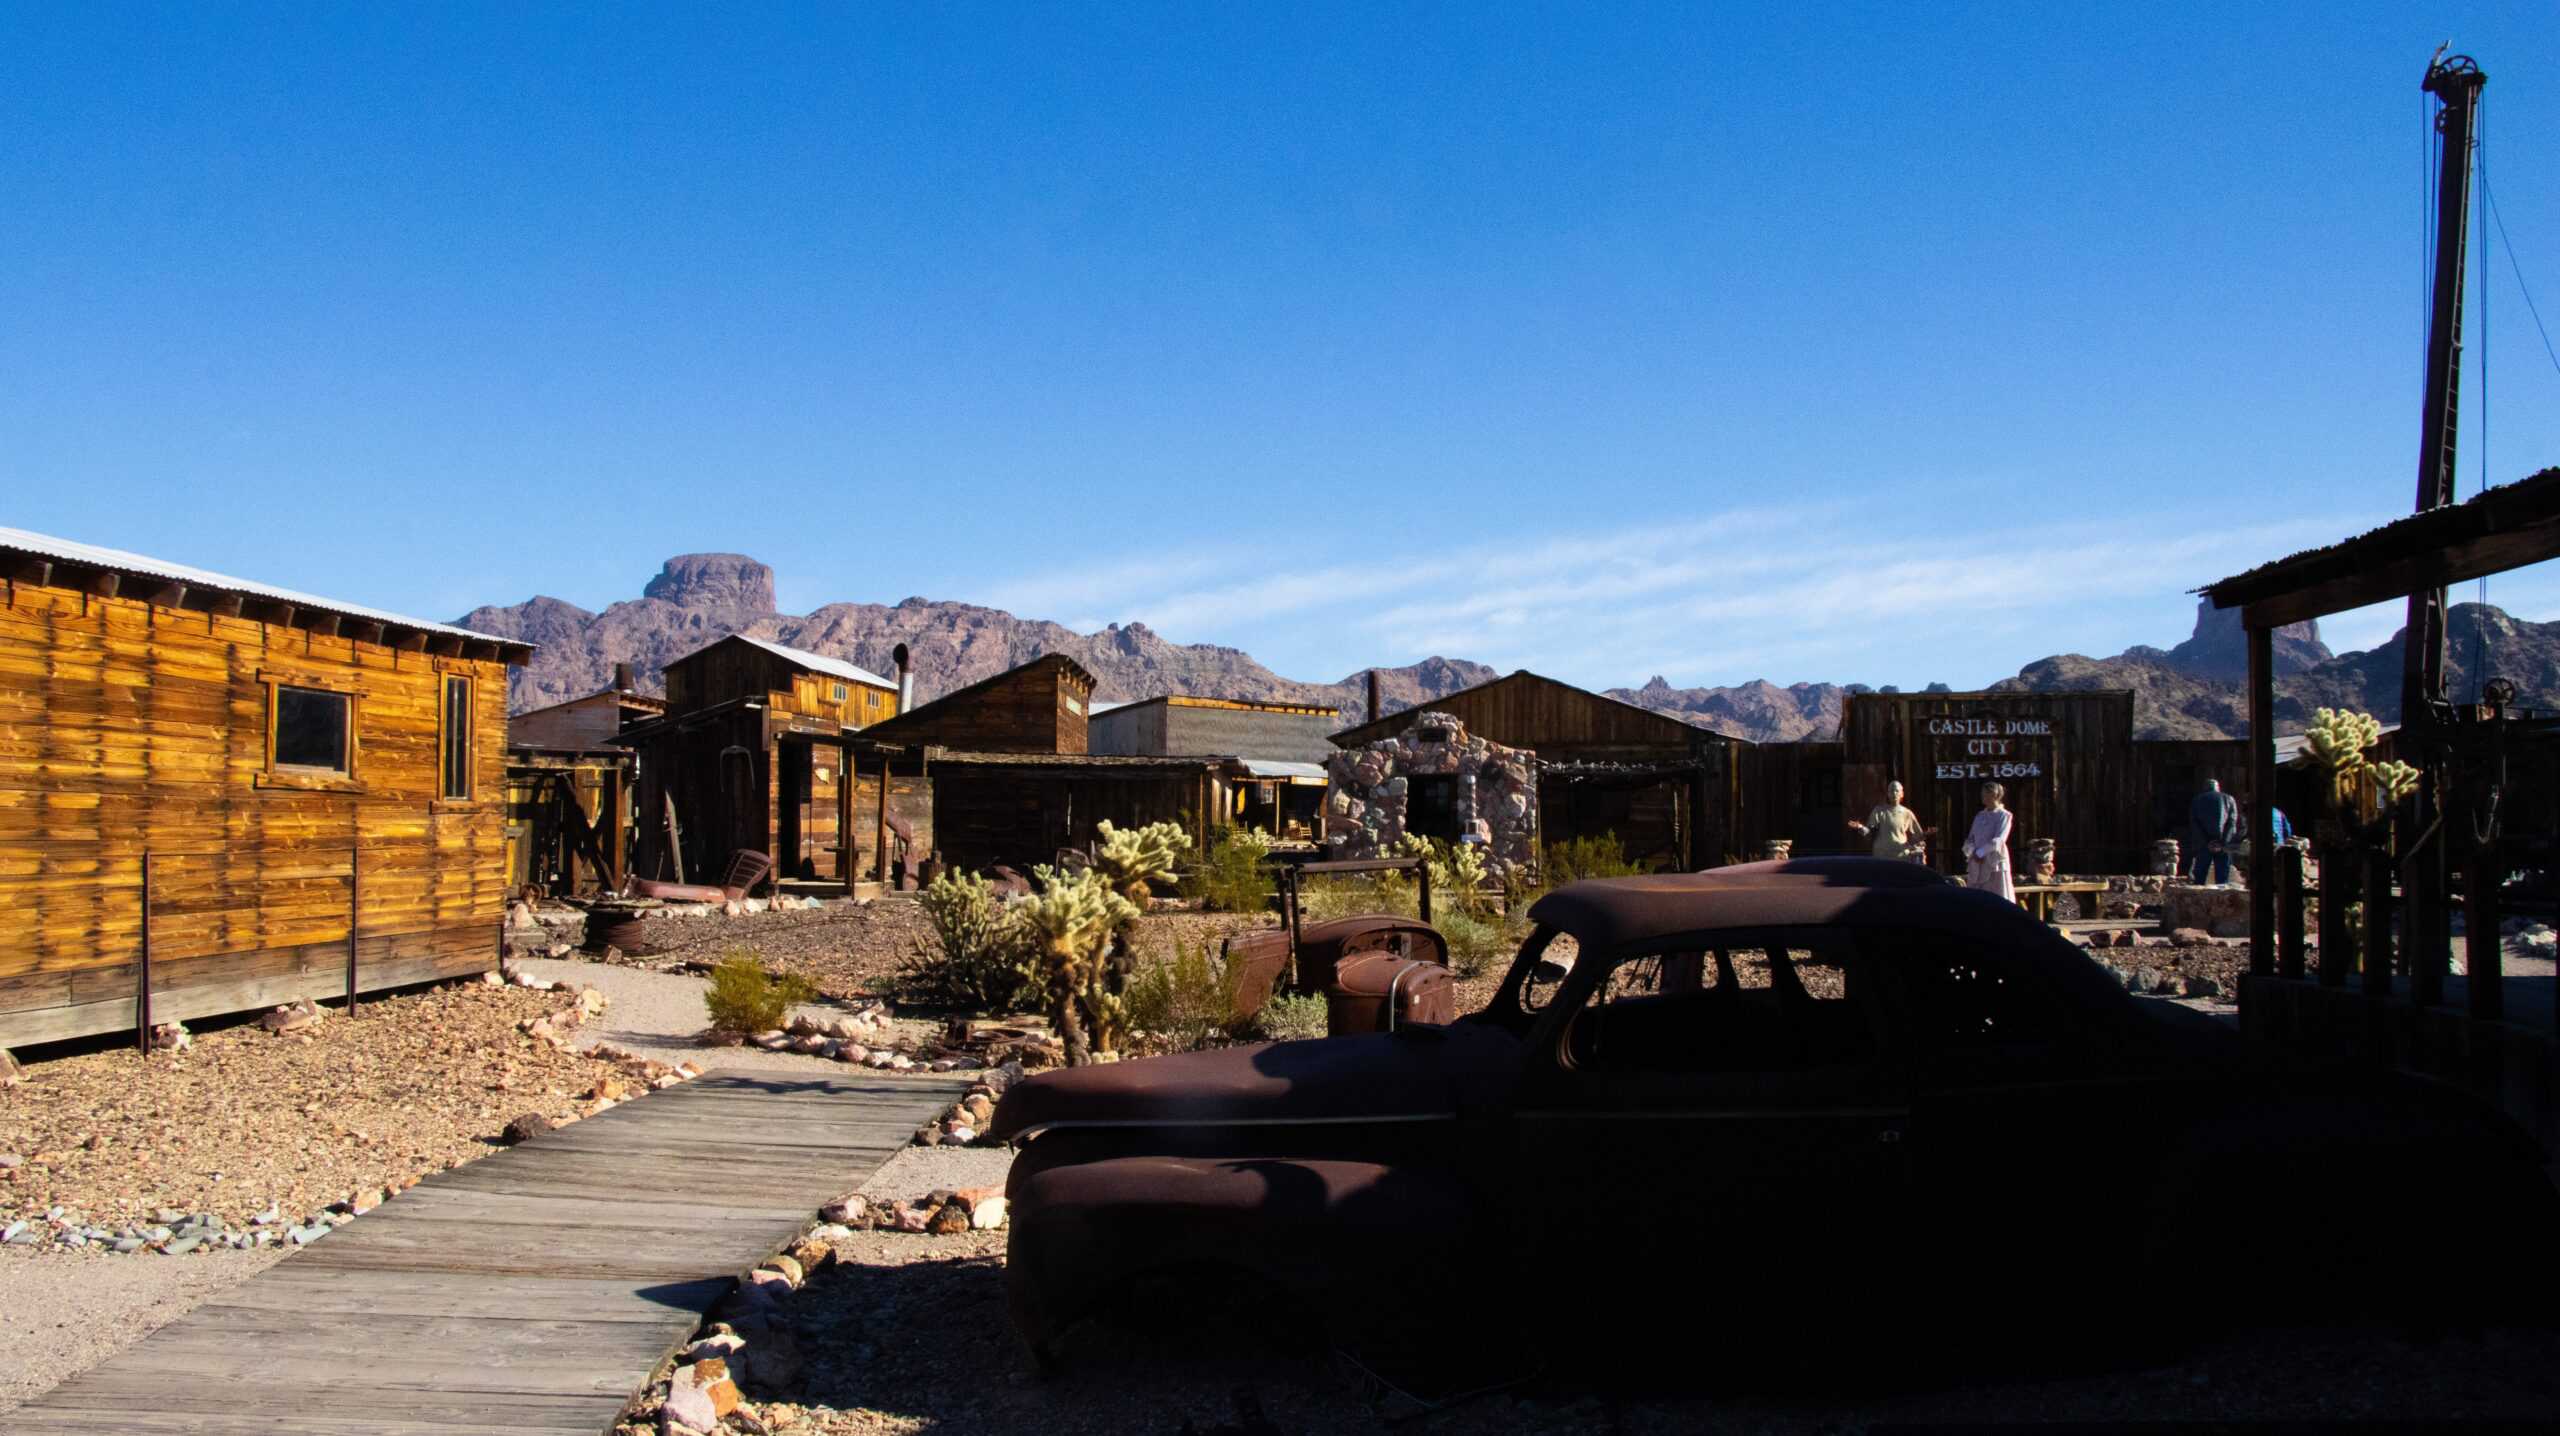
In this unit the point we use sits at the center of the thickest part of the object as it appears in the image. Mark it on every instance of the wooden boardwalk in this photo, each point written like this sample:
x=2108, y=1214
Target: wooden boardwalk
x=529, y=1291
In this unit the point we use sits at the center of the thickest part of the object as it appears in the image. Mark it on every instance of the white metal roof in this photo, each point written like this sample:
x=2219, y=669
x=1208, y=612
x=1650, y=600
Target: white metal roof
x=1281, y=768
x=818, y=662
x=65, y=551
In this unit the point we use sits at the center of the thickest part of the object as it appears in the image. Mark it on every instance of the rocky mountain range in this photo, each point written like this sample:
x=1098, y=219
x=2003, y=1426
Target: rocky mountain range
x=699, y=598
x=2192, y=690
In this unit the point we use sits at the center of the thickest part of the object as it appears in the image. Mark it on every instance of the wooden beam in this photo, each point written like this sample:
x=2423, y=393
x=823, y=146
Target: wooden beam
x=412, y=639
x=224, y=605
x=276, y=612
x=364, y=630
x=2398, y=578
x=169, y=595
x=104, y=583
x=324, y=625
x=2262, y=802
x=35, y=571
x=445, y=645
x=482, y=650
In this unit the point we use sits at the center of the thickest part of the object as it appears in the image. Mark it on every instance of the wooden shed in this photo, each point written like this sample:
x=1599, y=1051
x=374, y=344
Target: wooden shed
x=1666, y=788
x=217, y=795
x=1006, y=767
x=1277, y=782
x=751, y=754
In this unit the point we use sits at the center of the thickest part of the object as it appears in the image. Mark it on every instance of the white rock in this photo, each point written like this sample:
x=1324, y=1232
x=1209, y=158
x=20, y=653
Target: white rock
x=988, y=1214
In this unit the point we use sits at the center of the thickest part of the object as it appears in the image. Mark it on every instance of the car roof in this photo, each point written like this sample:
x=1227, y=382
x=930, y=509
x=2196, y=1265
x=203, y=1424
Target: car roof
x=1604, y=915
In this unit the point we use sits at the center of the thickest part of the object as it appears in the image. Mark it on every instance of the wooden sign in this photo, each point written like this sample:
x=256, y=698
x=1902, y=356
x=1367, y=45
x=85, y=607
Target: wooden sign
x=1987, y=747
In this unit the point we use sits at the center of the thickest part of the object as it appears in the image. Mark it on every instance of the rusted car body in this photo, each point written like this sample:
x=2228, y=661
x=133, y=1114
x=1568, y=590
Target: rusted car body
x=1806, y=1098
x=1375, y=971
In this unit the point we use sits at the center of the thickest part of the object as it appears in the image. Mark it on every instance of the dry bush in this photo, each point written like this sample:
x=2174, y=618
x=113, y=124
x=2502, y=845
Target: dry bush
x=745, y=999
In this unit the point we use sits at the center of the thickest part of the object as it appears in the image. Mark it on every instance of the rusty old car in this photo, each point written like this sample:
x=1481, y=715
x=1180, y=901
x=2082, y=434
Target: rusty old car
x=1784, y=1103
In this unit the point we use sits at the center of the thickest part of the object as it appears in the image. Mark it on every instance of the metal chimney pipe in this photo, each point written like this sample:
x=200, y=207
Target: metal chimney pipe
x=906, y=679
x=624, y=680
x=1373, y=695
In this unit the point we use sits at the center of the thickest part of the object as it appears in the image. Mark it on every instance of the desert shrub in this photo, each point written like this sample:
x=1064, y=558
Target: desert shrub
x=975, y=958
x=1325, y=898
x=1189, y=999
x=1475, y=944
x=1230, y=876
x=1290, y=1016
x=1068, y=926
x=745, y=999
x=1592, y=857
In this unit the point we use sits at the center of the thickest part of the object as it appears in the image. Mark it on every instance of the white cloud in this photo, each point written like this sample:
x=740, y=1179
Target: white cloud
x=1793, y=593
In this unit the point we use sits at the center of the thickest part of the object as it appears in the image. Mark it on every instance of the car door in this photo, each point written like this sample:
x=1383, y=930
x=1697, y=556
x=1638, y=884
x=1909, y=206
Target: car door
x=1746, y=1129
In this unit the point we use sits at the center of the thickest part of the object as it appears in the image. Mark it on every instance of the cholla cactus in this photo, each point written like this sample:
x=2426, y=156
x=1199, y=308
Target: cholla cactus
x=1457, y=869
x=2336, y=740
x=1071, y=921
x=1134, y=859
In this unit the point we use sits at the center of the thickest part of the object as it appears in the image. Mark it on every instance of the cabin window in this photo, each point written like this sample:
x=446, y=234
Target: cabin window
x=457, y=737
x=842, y=693
x=870, y=700
x=311, y=729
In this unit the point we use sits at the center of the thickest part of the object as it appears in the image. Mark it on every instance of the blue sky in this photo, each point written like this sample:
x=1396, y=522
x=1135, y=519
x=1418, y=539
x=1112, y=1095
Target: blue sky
x=1886, y=344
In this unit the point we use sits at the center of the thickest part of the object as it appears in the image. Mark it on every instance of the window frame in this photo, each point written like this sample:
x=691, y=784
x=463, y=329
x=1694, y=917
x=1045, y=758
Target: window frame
x=272, y=774
x=445, y=796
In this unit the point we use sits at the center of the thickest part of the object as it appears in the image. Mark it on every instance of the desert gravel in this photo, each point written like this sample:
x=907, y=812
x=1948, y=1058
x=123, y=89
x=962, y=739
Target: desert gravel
x=67, y=1311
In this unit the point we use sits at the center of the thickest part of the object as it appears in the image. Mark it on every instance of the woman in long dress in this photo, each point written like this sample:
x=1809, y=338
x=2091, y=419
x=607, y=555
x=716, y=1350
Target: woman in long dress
x=1986, y=845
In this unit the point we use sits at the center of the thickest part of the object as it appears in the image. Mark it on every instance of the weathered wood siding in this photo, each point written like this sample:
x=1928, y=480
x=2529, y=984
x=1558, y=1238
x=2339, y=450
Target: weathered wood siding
x=1560, y=722
x=1041, y=707
x=128, y=728
x=982, y=817
x=2066, y=759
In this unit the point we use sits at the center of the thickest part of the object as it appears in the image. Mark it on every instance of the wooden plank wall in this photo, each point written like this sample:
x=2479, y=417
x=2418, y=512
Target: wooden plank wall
x=1018, y=816
x=126, y=727
x=1042, y=707
x=1558, y=721
x=2085, y=790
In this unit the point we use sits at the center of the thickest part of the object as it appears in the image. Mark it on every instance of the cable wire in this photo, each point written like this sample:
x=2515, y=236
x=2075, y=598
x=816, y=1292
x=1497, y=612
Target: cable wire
x=2518, y=269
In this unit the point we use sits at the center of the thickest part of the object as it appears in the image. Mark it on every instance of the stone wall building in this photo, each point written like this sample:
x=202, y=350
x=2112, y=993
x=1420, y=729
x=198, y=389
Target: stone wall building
x=1437, y=780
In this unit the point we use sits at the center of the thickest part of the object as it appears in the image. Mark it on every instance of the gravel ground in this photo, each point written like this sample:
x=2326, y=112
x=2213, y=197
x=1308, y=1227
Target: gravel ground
x=848, y=949
x=247, y=1118
x=660, y=1015
x=67, y=1311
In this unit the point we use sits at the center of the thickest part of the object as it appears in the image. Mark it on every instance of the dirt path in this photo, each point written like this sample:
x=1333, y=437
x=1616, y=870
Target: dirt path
x=67, y=1311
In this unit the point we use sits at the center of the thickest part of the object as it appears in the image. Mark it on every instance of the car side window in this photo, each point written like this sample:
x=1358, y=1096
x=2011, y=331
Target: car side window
x=1762, y=1009
x=1973, y=1021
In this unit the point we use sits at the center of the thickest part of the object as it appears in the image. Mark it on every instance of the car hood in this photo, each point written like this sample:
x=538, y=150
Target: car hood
x=1413, y=1073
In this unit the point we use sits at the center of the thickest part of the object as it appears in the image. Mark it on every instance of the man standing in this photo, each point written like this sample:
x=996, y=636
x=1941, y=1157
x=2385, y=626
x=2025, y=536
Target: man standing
x=1893, y=830
x=2214, y=823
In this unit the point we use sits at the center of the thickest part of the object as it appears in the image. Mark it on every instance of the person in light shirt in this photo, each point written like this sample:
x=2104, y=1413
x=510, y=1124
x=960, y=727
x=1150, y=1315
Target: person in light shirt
x=1893, y=830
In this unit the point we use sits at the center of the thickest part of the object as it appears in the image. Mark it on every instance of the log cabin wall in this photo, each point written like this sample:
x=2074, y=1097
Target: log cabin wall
x=127, y=727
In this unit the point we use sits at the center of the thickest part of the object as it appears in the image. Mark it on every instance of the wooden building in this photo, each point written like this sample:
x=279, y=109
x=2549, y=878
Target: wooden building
x=1277, y=782
x=751, y=754
x=216, y=795
x=1007, y=768
x=569, y=789
x=1669, y=790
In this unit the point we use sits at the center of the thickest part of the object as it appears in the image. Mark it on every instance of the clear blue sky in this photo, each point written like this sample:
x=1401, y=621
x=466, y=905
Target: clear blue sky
x=1889, y=344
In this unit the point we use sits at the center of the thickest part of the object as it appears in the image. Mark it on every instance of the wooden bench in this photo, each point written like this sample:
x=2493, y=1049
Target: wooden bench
x=2038, y=898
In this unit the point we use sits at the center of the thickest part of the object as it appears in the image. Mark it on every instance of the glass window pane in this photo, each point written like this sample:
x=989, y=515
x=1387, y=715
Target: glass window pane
x=311, y=729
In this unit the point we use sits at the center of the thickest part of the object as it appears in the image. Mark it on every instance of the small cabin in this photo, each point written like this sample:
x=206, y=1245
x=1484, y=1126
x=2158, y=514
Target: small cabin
x=1277, y=782
x=750, y=754
x=569, y=789
x=219, y=795
x=1008, y=775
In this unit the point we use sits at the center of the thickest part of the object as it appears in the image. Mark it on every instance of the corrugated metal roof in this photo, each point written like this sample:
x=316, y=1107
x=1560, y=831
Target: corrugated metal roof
x=66, y=551
x=818, y=662
x=1281, y=768
x=1099, y=709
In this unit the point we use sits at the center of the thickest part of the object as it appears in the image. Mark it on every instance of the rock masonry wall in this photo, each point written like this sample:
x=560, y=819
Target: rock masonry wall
x=1364, y=814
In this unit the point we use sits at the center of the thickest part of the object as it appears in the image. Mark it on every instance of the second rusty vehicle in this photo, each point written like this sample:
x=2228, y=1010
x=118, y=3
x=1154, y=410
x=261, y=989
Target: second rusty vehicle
x=1768, y=1108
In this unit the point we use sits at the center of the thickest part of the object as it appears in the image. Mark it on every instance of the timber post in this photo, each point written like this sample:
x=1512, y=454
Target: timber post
x=880, y=854
x=355, y=919
x=2289, y=923
x=2262, y=801
x=142, y=982
x=2338, y=883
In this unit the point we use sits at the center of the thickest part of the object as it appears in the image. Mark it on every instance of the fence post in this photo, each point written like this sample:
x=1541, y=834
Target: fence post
x=355, y=919
x=2338, y=885
x=142, y=985
x=2289, y=912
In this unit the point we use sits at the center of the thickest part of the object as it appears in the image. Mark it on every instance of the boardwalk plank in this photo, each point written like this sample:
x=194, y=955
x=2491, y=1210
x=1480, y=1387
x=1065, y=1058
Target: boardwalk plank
x=529, y=1291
